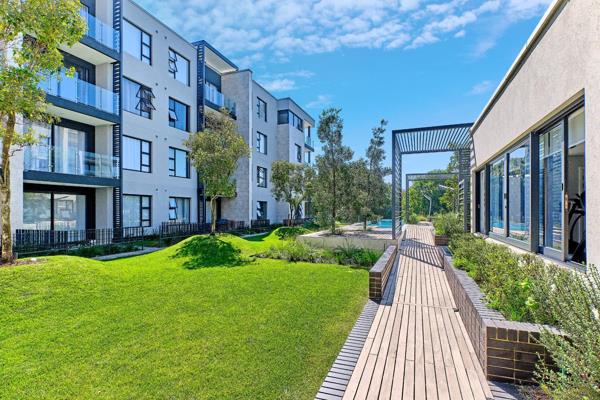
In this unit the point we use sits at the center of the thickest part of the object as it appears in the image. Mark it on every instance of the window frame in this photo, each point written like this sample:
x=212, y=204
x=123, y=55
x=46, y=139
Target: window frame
x=142, y=153
x=146, y=59
x=261, y=181
x=260, y=101
x=142, y=208
x=189, y=210
x=266, y=210
x=173, y=70
x=260, y=141
x=298, y=153
x=174, y=102
x=173, y=171
x=145, y=101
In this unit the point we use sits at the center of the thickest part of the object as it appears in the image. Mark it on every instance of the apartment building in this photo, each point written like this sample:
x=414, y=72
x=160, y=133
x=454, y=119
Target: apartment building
x=535, y=177
x=117, y=158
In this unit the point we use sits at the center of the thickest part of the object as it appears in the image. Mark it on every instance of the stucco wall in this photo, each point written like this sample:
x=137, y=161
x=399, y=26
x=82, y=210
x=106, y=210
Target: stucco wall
x=563, y=66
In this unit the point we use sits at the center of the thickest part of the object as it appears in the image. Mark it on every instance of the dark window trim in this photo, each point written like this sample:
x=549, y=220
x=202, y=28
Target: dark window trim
x=175, y=208
x=142, y=44
x=173, y=110
x=265, y=216
x=260, y=101
x=298, y=152
x=147, y=101
x=173, y=72
x=142, y=220
x=174, y=159
x=258, y=135
x=142, y=152
x=258, y=177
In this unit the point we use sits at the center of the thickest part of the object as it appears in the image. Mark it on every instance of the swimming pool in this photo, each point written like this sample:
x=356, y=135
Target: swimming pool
x=383, y=223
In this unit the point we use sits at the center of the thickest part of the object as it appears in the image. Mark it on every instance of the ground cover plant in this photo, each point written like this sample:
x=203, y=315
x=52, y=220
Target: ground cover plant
x=524, y=288
x=448, y=224
x=202, y=319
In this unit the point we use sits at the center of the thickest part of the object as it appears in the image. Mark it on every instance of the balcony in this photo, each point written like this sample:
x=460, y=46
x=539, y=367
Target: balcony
x=216, y=98
x=70, y=161
x=82, y=96
x=101, y=32
x=309, y=143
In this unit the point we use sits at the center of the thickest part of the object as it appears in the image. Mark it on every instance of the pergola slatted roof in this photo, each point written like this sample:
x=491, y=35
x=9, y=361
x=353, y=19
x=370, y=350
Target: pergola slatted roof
x=433, y=139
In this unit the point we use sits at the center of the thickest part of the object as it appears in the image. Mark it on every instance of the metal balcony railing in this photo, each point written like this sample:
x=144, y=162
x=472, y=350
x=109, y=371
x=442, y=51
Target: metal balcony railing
x=78, y=91
x=101, y=32
x=46, y=158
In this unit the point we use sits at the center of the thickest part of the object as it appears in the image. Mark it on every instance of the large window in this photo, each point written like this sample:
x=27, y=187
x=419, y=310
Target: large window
x=137, y=98
x=57, y=211
x=179, y=67
x=551, y=187
x=261, y=210
x=179, y=209
x=298, y=153
x=261, y=109
x=519, y=193
x=261, y=143
x=289, y=117
x=296, y=121
x=137, y=42
x=136, y=154
x=497, y=197
x=178, y=115
x=137, y=210
x=261, y=177
x=179, y=164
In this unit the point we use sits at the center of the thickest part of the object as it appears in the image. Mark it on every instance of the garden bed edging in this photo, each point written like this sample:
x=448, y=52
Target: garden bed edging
x=507, y=350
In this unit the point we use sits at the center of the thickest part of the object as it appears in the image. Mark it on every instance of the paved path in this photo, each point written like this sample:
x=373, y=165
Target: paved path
x=417, y=346
x=116, y=256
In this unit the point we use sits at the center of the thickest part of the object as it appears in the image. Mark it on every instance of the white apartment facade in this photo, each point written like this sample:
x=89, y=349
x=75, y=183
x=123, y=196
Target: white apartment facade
x=116, y=159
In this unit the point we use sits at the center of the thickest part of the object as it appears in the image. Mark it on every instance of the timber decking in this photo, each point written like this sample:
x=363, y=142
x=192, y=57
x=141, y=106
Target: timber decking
x=417, y=346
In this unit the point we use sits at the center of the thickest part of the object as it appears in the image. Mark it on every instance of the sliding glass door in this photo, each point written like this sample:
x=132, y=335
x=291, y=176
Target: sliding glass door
x=497, y=175
x=552, y=183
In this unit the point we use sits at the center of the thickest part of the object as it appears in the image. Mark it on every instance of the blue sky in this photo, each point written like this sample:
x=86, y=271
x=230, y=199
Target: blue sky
x=412, y=62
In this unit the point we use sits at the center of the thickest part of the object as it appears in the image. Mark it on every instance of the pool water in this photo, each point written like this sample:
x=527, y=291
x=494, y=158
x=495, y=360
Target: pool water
x=383, y=223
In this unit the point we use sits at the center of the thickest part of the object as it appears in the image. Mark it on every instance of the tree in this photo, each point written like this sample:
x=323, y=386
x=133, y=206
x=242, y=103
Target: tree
x=333, y=180
x=31, y=33
x=215, y=152
x=292, y=183
x=376, y=190
x=356, y=205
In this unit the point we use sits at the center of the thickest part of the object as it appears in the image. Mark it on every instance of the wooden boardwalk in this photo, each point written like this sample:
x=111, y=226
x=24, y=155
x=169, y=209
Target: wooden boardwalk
x=417, y=346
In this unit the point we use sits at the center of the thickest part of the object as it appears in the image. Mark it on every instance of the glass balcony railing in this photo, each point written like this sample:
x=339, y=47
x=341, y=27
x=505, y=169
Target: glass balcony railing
x=309, y=142
x=219, y=99
x=78, y=91
x=101, y=32
x=46, y=158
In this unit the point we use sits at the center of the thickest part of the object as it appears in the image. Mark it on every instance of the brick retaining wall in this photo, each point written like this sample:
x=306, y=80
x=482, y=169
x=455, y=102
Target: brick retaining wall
x=379, y=274
x=507, y=350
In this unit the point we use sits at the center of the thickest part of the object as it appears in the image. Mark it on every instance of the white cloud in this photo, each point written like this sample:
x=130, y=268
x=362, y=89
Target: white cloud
x=321, y=101
x=249, y=31
x=481, y=88
x=280, y=85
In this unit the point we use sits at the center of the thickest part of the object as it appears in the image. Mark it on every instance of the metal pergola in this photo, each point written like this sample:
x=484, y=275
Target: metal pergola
x=433, y=139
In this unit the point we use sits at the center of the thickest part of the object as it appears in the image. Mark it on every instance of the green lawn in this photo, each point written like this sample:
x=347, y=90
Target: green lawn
x=199, y=320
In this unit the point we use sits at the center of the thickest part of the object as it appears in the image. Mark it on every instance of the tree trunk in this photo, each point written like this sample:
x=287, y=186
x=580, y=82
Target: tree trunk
x=291, y=215
x=213, y=215
x=7, y=254
x=365, y=222
x=334, y=207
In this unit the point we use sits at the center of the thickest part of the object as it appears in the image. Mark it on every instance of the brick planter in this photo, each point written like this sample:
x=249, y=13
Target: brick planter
x=441, y=240
x=507, y=350
x=379, y=274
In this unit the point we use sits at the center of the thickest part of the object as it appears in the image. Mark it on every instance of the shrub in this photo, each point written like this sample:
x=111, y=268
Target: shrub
x=294, y=251
x=573, y=300
x=448, y=224
x=290, y=232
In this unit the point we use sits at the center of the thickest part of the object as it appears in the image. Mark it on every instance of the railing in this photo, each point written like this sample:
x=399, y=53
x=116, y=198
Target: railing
x=219, y=99
x=82, y=92
x=260, y=223
x=182, y=229
x=35, y=241
x=101, y=32
x=46, y=158
x=296, y=221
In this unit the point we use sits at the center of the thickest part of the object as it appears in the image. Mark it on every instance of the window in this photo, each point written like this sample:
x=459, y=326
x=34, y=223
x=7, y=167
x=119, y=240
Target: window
x=261, y=177
x=296, y=121
x=178, y=115
x=519, y=194
x=136, y=154
x=497, y=197
x=137, y=211
x=261, y=143
x=261, y=210
x=308, y=157
x=288, y=117
x=179, y=209
x=261, y=109
x=137, y=98
x=54, y=210
x=179, y=67
x=137, y=42
x=179, y=164
x=551, y=187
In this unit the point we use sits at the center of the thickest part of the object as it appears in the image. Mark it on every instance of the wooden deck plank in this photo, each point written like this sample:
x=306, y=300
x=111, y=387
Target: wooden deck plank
x=416, y=346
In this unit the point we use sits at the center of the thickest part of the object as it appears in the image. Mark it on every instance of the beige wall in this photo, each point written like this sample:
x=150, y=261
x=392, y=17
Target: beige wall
x=563, y=66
